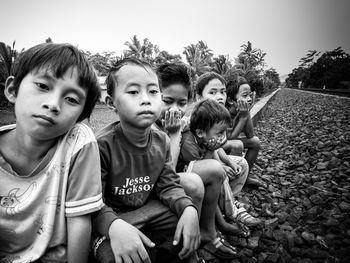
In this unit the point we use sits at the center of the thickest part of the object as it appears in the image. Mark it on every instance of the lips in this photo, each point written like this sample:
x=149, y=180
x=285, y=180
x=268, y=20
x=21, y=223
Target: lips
x=44, y=118
x=145, y=113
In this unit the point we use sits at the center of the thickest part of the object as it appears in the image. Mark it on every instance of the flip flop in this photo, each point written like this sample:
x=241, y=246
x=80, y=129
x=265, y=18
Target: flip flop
x=217, y=248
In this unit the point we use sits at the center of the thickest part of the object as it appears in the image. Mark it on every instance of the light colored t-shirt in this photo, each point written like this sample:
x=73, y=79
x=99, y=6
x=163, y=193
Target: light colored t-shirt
x=33, y=208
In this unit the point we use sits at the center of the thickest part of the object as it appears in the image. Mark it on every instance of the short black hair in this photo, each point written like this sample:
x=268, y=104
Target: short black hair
x=111, y=79
x=206, y=114
x=174, y=73
x=58, y=58
x=204, y=79
x=233, y=87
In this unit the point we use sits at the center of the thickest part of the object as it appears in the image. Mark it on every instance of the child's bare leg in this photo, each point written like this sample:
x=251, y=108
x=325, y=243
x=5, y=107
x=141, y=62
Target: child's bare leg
x=253, y=147
x=212, y=174
x=194, y=187
x=234, y=147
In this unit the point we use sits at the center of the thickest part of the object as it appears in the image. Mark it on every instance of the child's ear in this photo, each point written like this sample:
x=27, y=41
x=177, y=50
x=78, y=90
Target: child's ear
x=199, y=133
x=231, y=102
x=10, y=91
x=198, y=97
x=110, y=103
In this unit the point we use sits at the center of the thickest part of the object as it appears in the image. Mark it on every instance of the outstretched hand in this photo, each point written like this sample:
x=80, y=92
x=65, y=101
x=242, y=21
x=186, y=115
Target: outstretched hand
x=128, y=243
x=188, y=229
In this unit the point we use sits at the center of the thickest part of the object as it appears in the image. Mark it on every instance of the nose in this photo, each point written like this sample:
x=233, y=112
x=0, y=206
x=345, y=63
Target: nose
x=144, y=98
x=220, y=97
x=52, y=103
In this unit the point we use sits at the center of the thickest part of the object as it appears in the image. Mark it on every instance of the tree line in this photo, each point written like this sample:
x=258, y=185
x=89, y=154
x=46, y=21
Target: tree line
x=317, y=70
x=250, y=62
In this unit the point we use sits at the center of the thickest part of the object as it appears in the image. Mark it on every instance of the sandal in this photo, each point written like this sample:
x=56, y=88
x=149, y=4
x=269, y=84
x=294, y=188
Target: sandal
x=225, y=242
x=247, y=219
x=236, y=228
x=219, y=250
x=239, y=204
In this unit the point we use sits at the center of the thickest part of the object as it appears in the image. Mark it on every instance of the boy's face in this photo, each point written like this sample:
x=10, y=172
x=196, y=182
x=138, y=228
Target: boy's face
x=174, y=98
x=45, y=106
x=137, y=96
x=244, y=93
x=215, y=90
x=216, y=134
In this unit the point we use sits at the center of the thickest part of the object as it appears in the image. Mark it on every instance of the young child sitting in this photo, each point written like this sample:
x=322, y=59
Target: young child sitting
x=208, y=122
x=176, y=89
x=239, y=103
x=50, y=166
x=211, y=85
x=145, y=204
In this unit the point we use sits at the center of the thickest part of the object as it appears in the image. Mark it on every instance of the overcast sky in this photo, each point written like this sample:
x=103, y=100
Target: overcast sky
x=284, y=29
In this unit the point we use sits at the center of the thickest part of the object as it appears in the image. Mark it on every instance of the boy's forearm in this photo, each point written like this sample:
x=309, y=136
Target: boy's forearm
x=180, y=205
x=79, y=235
x=249, y=128
x=223, y=157
x=103, y=221
x=237, y=129
x=175, y=140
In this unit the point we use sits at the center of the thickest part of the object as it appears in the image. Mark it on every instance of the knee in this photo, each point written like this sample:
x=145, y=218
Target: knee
x=255, y=142
x=237, y=146
x=216, y=171
x=193, y=186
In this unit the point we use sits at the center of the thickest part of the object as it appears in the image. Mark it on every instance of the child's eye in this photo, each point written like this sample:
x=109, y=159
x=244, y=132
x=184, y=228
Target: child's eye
x=167, y=101
x=133, y=92
x=72, y=100
x=212, y=92
x=154, y=91
x=41, y=86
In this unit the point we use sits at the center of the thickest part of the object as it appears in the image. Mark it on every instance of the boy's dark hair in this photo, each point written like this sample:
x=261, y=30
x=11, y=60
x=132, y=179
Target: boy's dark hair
x=111, y=79
x=206, y=114
x=204, y=79
x=174, y=73
x=233, y=87
x=58, y=58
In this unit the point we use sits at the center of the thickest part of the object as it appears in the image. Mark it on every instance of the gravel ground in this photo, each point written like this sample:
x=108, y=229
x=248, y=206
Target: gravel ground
x=305, y=161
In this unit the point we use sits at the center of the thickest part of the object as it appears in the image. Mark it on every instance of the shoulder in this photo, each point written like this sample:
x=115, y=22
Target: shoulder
x=106, y=131
x=159, y=136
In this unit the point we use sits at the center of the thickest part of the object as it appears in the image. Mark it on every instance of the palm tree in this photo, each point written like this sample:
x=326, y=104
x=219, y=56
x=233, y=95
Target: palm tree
x=165, y=57
x=254, y=57
x=221, y=64
x=8, y=55
x=135, y=47
x=145, y=50
x=198, y=57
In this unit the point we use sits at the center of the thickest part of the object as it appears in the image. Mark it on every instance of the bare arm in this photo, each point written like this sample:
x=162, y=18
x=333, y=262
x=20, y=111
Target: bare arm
x=79, y=234
x=243, y=115
x=249, y=128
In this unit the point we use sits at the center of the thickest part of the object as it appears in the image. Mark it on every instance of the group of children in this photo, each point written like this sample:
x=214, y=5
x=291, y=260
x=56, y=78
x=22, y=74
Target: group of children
x=156, y=184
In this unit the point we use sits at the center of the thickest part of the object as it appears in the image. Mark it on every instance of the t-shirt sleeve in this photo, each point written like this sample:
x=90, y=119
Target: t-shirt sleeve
x=106, y=216
x=169, y=189
x=84, y=191
x=189, y=148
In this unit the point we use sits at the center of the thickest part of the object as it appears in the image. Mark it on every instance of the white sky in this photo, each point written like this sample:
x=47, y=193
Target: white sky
x=284, y=29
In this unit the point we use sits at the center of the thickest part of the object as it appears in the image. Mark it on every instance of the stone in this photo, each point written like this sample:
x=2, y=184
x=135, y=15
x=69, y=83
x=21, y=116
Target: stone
x=253, y=242
x=308, y=237
x=271, y=223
